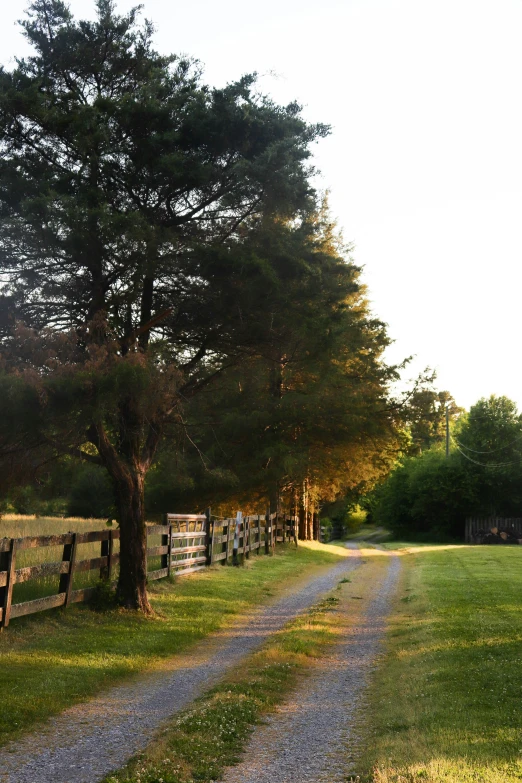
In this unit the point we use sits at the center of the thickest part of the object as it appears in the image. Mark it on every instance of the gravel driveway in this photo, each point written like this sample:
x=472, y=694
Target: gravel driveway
x=87, y=741
x=310, y=738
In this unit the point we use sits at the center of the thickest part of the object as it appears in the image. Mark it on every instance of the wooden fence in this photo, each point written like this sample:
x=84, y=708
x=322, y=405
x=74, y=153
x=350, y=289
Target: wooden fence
x=189, y=542
x=489, y=530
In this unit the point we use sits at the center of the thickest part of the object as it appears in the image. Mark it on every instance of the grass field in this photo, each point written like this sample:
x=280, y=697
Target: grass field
x=446, y=702
x=51, y=660
x=19, y=526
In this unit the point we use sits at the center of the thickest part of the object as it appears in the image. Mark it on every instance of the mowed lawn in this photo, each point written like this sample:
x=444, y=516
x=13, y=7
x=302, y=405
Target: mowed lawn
x=446, y=701
x=51, y=660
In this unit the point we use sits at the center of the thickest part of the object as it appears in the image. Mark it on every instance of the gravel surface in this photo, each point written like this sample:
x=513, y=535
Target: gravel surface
x=89, y=740
x=311, y=737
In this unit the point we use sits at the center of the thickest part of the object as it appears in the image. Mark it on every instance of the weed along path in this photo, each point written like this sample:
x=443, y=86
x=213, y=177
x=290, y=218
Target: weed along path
x=310, y=737
x=89, y=740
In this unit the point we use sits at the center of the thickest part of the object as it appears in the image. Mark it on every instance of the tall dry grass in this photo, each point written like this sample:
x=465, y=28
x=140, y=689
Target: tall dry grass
x=23, y=526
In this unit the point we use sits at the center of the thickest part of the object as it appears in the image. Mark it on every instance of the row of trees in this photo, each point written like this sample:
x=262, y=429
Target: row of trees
x=176, y=305
x=429, y=495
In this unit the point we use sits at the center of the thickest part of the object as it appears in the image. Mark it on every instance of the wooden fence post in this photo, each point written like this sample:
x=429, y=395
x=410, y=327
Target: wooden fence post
x=230, y=538
x=66, y=580
x=107, y=551
x=267, y=531
x=166, y=538
x=7, y=563
x=246, y=538
x=169, y=553
x=210, y=536
x=237, y=531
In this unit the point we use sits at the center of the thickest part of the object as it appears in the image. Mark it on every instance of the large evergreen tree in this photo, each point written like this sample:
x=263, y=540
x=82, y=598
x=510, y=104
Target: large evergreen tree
x=128, y=194
x=308, y=415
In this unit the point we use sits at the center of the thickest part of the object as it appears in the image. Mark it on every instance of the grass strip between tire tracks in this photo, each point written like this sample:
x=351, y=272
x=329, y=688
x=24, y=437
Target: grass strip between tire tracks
x=212, y=734
x=52, y=660
x=445, y=704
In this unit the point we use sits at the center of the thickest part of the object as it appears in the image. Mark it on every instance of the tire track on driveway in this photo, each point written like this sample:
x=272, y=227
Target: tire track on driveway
x=307, y=740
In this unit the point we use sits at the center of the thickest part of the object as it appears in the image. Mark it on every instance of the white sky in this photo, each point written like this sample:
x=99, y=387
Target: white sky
x=424, y=163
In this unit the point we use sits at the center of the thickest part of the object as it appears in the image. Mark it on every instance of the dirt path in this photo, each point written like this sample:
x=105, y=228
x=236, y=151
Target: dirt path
x=88, y=741
x=308, y=739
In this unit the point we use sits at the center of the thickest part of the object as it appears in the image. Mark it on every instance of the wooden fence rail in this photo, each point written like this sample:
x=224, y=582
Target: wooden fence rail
x=480, y=530
x=189, y=542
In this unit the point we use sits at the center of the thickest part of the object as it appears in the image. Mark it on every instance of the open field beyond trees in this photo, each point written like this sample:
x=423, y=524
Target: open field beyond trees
x=445, y=703
x=49, y=661
x=23, y=526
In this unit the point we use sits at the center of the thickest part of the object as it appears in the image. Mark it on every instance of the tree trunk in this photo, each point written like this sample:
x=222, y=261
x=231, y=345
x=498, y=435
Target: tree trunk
x=303, y=503
x=309, y=527
x=316, y=526
x=132, y=583
x=302, y=524
x=128, y=478
x=274, y=497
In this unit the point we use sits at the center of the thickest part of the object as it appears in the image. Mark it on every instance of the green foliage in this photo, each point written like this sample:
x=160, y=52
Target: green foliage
x=104, y=597
x=489, y=440
x=24, y=500
x=173, y=283
x=327, y=528
x=425, y=416
x=430, y=495
x=91, y=494
x=426, y=497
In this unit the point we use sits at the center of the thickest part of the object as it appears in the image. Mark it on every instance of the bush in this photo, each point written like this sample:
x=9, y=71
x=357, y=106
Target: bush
x=24, y=500
x=427, y=497
x=326, y=532
x=104, y=597
x=91, y=494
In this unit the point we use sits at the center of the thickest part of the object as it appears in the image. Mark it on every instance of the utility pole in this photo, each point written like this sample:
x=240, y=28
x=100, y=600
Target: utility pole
x=447, y=430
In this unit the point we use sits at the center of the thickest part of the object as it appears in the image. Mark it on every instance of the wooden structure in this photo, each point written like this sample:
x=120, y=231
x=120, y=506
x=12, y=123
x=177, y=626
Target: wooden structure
x=66, y=568
x=493, y=530
x=189, y=542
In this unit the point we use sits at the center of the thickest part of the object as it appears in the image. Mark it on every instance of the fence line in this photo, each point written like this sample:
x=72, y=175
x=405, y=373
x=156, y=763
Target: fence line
x=189, y=543
x=478, y=528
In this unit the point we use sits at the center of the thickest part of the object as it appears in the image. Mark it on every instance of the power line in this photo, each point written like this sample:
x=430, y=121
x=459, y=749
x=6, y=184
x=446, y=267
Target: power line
x=489, y=464
x=492, y=451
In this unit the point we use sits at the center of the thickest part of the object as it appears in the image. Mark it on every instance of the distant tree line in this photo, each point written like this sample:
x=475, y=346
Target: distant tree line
x=429, y=495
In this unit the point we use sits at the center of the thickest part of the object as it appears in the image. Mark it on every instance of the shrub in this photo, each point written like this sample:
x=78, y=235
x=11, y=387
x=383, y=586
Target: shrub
x=91, y=494
x=426, y=497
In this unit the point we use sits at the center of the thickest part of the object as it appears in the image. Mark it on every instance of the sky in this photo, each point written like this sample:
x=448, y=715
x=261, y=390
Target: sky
x=423, y=164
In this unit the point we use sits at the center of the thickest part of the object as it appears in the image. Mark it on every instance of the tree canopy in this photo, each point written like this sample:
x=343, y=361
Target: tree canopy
x=431, y=495
x=170, y=277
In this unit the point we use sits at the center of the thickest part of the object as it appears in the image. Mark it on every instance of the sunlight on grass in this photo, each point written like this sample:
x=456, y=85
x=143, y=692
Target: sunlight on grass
x=50, y=660
x=23, y=525
x=445, y=704
x=337, y=549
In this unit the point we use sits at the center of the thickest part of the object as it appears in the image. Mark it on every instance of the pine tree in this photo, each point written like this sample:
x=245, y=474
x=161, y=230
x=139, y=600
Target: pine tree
x=307, y=418
x=128, y=192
